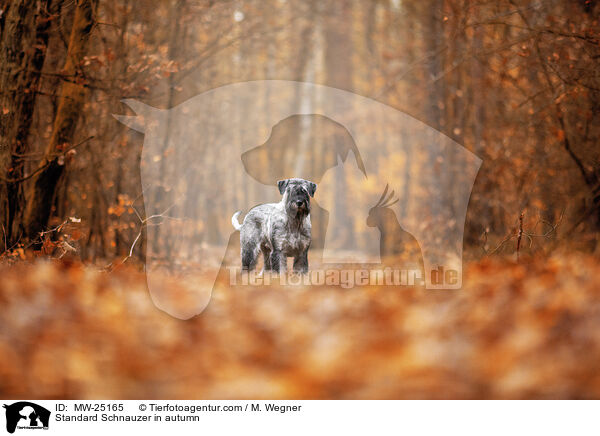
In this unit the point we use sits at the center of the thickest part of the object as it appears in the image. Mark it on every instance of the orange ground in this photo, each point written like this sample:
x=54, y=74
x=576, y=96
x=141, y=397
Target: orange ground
x=513, y=331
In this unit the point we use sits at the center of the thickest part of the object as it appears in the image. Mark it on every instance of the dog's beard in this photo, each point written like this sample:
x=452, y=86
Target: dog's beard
x=298, y=212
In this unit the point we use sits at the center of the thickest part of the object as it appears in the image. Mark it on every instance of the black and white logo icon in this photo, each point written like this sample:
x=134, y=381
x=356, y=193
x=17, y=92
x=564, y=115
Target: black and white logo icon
x=26, y=415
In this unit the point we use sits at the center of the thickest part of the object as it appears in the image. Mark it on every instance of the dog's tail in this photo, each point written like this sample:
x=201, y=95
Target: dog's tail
x=234, y=220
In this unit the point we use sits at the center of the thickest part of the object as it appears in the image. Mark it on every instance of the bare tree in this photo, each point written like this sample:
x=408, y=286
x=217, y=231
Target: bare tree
x=22, y=54
x=72, y=97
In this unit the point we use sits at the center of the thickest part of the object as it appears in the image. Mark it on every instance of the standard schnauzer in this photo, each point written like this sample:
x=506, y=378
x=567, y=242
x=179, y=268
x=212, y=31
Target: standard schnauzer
x=279, y=230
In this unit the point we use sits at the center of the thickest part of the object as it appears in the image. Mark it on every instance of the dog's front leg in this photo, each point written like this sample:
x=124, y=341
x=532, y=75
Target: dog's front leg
x=267, y=260
x=301, y=263
x=278, y=261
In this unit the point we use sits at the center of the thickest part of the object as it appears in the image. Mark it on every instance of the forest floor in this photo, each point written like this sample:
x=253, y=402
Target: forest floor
x=514, y=331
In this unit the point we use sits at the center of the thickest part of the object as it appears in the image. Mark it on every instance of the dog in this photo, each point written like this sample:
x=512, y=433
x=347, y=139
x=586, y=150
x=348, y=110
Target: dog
x=326, y=145
x=279, y=230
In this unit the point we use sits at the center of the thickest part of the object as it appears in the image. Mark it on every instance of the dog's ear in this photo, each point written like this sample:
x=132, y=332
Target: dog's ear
x=312, y=187
x=282, y=184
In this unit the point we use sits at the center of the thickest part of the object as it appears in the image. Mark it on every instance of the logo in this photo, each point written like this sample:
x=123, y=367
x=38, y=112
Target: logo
x=393, y=192
x=26, y=415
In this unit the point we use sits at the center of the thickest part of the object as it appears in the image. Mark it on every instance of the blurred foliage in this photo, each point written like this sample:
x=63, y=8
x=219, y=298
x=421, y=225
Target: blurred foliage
x=514, y=331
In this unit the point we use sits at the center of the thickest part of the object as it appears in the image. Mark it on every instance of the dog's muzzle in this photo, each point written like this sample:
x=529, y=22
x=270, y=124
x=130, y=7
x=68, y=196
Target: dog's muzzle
x=301, y=205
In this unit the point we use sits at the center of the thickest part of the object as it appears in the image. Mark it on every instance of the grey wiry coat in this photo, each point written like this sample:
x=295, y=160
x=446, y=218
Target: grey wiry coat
x=279, y=230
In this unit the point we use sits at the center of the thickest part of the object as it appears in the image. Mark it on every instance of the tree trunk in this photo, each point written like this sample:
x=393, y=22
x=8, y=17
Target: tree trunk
x=45, y=183
x=22, y=54
x=339, y=73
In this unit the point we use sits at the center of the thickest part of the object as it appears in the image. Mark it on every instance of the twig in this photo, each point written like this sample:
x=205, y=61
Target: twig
x=133, y=245
x=552, y=227
x=504, y=241
x=520, y=234
x=144, y=223
x=50, y=159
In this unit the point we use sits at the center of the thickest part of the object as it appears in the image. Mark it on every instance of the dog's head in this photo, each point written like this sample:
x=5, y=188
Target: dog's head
x=296, y=194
